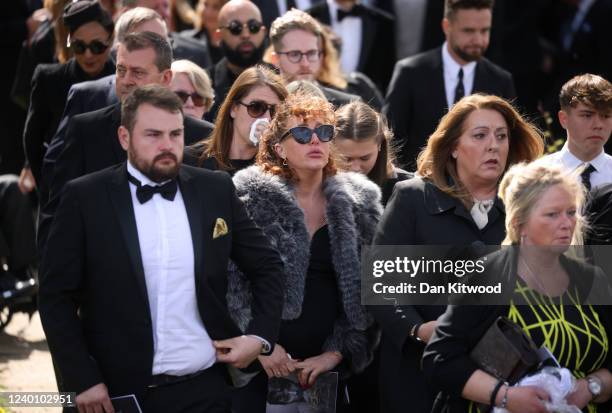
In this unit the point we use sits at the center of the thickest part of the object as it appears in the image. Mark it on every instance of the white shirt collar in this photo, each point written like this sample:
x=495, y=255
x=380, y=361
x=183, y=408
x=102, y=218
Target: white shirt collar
x=452, y=67
x=572, y=162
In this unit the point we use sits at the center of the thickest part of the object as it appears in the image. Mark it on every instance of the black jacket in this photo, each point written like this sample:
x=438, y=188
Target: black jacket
x=93, y=299
x=50, y=86
x=418, y=213
x=446, y=360
x=184, y=47
x=377, y=55
x=416, y=99
x=92, y=144
x=82, y=97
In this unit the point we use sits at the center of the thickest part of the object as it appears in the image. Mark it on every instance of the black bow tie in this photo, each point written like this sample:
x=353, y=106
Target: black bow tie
x=356, y=11
x=146, y=192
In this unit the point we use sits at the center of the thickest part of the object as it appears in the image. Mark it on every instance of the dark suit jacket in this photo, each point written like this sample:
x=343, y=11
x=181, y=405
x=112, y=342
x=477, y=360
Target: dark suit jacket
x=187, y=48
x=599, y=215
x=336, y=97
x=420, y=214
x=50, y=86
x=91, y=145
x=82, y=97
x=377, y=41
x=93, y=299
x=446, y=360
x=416, y=100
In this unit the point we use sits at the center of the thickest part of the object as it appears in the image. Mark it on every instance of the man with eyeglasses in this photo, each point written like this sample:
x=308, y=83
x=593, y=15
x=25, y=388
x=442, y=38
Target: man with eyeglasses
x=297, y=41
x=91, y=138
x=242, y=38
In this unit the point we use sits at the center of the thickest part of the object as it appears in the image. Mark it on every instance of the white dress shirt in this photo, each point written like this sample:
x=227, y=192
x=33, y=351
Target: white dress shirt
x=602, y=164
x=181, y=344
x=300, y=4
x=451, y=75
x=350, y=30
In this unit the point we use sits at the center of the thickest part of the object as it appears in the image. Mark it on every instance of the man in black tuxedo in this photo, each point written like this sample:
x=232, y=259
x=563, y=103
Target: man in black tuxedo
x=368, y=37
x=298, y=45
x=134, y=282
x=424, y=86
x=91, y=138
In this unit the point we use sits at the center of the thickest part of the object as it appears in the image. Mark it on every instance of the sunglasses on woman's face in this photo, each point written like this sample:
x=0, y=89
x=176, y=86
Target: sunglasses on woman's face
x=195, y=98
x=303, y=134
x=235, y=26
x=95, y=46
x=258, y=108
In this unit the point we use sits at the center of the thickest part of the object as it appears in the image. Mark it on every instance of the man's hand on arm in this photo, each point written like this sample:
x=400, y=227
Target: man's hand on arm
x=238, y=351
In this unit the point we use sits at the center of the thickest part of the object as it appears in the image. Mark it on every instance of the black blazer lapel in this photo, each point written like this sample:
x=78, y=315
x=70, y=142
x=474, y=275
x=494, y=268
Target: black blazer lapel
x=368, y=34
x=197, y=215
x=436, y=85
x=121, y=198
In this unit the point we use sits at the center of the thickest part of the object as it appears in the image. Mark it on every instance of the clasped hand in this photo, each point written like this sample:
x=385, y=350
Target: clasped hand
x=280, y=364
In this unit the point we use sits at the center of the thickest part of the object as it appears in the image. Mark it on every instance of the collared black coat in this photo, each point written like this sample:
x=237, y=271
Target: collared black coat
x=418, y=213
x=93, y=299
x=50, y=86
x=416, y=99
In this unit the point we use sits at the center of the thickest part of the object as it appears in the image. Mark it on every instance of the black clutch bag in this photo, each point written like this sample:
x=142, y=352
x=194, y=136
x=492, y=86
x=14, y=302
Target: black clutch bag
x=506, y=352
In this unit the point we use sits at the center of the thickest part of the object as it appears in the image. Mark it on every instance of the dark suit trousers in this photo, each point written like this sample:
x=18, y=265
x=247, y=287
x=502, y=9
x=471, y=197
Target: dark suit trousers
x=206, y=393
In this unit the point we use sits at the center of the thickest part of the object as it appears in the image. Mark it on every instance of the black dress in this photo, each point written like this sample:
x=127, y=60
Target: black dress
x=304, y=337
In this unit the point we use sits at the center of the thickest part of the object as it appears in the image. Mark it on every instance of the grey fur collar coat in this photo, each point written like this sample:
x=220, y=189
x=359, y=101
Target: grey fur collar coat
x=353, y=211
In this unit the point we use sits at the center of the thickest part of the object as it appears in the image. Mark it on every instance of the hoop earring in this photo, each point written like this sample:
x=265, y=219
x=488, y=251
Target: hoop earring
x=285, y=162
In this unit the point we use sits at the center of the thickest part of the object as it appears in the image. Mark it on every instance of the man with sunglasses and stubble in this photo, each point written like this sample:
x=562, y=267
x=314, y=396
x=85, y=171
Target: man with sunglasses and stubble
x=242, y=38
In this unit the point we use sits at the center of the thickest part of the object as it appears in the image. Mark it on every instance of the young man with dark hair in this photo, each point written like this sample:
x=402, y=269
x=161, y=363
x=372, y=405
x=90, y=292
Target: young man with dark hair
x=425, y=86
x=586, y=116
x=133, y=282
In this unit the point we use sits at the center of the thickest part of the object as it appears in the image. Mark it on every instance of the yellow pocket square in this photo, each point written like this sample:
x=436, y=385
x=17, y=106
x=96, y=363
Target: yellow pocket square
x=220, y=228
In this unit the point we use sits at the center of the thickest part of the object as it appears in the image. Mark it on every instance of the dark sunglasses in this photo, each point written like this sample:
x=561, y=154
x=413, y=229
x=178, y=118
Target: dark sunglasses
x=80, y=47
x=303, y=134
x=235, y=26
x=258, y=108
x=196, y=99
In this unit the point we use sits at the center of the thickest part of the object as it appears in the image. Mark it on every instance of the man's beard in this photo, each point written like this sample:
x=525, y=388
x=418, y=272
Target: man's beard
x=153, y=171
x=240, y=59
x=468, y=57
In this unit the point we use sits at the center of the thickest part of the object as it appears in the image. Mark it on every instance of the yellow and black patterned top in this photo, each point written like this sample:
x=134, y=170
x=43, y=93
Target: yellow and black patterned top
x=572, y=332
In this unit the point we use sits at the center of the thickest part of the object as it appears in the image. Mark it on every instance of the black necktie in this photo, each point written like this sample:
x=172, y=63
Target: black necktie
x=356, y=11
x=459, y=90
x=586, y=176
x=146, y=192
